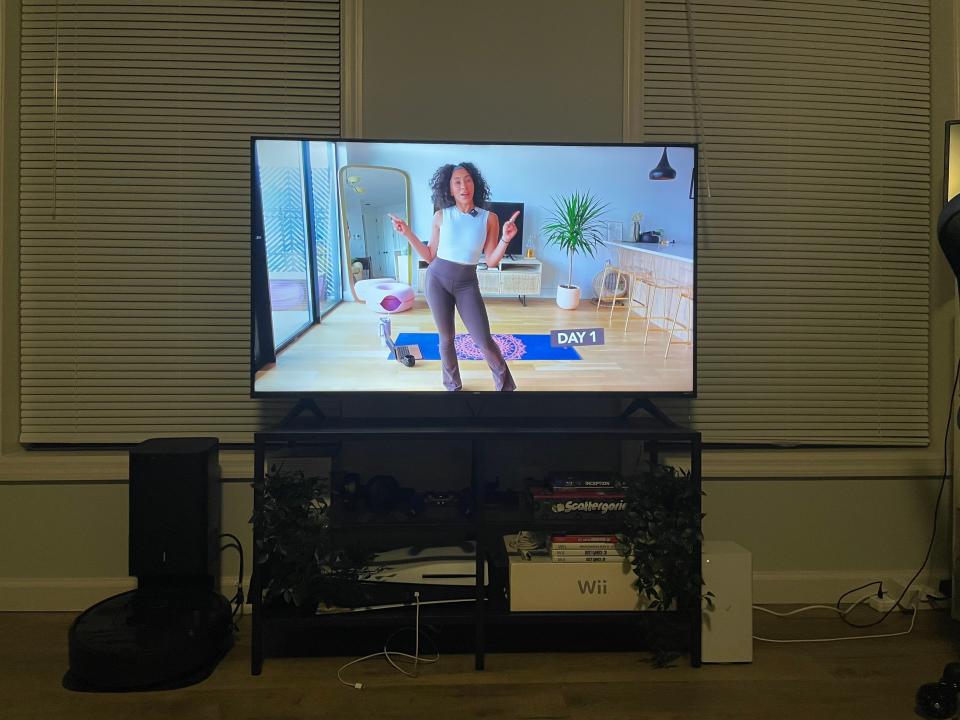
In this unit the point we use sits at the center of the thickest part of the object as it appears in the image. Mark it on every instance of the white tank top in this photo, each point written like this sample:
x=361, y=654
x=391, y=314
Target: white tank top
x=462, y=236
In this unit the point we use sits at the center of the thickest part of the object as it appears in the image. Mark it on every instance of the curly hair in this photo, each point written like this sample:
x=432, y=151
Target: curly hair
x=440, y=184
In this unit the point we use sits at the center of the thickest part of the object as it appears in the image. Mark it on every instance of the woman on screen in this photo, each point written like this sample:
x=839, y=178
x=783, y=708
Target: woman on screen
x=462, y=230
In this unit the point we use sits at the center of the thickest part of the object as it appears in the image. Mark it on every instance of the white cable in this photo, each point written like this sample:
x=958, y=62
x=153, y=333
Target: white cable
x=399, y=605
x=913, y=618
x=814, y=607
x=389, y=655
x=416, y=642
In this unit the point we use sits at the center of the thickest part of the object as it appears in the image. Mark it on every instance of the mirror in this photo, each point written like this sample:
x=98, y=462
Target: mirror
x=374, y=250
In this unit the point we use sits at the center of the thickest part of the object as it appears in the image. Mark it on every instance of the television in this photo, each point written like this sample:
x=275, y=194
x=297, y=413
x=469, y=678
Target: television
x=400, y=267
x=504, y=211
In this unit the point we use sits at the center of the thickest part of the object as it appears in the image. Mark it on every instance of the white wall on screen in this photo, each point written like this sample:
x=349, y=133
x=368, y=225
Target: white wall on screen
x=532, y=174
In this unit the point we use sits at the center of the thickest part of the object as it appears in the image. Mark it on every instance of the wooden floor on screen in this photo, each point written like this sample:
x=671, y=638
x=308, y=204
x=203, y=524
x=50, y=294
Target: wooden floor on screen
x=343, y=353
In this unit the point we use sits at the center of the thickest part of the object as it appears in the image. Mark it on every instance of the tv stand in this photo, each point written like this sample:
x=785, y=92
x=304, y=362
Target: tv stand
x=379, y=443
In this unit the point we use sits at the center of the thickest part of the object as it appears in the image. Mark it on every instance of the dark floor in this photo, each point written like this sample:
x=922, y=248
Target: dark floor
x=873, y=679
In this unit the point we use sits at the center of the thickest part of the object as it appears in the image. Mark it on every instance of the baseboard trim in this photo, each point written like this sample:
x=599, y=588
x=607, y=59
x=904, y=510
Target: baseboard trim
x=72, y=594
x=816, y=587
x=58, y=594
x=774, y=588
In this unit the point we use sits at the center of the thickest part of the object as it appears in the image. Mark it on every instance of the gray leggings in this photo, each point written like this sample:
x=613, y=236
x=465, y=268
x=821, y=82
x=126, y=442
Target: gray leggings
x=450, y=285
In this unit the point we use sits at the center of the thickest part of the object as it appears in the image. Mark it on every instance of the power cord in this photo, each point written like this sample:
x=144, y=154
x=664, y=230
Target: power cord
x=815, y=607
x=237, y=599
x=936, y=512
x=913, y=618
x=389, y=655
x=842, y=613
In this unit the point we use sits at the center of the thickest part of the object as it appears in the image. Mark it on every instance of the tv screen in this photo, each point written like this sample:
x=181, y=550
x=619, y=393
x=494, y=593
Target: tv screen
x=409, y=267
x=504, y=211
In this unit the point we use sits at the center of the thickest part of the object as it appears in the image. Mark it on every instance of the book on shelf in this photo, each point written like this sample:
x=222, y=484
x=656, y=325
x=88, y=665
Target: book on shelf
x=583, y=480
x=571, y=538
x=586, y=558
x=568, y=485
x=585, y=552
x=581, y=548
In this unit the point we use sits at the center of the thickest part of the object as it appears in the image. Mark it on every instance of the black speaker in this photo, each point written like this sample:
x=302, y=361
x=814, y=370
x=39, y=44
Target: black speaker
x=175, y=513
x=948, y=232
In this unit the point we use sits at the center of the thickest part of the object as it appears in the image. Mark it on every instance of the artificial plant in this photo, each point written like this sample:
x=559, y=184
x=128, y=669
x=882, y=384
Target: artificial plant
x=662, y=531
x=300, y=564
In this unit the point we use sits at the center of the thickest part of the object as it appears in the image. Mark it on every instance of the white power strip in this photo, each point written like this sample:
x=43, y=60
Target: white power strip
x=887, y=600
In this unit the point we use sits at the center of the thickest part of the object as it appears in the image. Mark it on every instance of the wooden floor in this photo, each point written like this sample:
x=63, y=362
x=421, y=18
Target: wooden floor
x=873, y=679
x=344, y=353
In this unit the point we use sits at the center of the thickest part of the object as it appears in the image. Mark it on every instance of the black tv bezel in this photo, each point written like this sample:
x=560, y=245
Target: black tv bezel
x=411, y=394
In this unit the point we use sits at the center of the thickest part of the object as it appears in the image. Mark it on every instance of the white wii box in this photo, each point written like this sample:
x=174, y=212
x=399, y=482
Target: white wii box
x=539, y=584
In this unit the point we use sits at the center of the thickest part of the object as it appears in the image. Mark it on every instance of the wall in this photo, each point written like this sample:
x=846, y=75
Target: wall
x=818, y=522
x=534, y=175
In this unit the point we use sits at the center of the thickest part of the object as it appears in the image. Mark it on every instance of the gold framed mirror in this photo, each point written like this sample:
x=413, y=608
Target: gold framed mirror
x=368, y=193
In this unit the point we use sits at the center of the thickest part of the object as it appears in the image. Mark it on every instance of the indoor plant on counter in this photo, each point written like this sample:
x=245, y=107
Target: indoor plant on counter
x=574, y=225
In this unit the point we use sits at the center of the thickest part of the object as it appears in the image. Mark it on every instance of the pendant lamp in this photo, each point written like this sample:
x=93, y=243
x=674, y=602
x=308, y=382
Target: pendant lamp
x=663, y=171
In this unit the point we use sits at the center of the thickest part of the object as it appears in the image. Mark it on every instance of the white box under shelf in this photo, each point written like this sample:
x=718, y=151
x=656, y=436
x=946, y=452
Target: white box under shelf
x=539, y=584
x=727, y=627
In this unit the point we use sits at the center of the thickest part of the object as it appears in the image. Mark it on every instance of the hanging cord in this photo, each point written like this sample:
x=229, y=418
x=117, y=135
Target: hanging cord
x=56, y=100
x=237, y=598
x=697, y=106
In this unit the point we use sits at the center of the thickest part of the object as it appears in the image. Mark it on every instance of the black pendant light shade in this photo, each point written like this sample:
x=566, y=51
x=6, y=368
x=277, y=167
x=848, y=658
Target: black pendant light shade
x=663, y=171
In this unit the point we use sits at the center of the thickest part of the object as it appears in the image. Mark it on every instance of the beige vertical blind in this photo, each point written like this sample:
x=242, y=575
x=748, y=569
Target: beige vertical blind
x=134, y=199
x=814, y=247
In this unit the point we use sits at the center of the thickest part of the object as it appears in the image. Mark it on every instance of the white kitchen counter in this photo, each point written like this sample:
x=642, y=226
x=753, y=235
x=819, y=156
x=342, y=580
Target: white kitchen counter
x=678, y=251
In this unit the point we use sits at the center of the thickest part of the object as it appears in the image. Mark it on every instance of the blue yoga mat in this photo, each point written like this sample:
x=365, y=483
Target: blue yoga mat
x=514, y=347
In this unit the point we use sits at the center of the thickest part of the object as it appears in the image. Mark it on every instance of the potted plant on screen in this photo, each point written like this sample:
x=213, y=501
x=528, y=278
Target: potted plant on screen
x=574, y=225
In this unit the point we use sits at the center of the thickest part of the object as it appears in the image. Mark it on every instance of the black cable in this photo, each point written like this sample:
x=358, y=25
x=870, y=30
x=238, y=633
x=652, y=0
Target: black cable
x=237, y=599
x=936, y=510
x=862, y=587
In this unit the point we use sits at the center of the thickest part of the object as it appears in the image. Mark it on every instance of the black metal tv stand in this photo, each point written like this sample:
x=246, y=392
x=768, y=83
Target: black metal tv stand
x=480, y=438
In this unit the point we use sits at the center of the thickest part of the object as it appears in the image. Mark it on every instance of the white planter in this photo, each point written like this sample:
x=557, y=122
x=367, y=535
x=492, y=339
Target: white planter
x=568, y=298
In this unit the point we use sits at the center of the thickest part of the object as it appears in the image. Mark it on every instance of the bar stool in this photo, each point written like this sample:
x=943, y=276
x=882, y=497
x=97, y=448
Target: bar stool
x=684, y=294
x=670, y=288
x=631, y=266
x=634, y=277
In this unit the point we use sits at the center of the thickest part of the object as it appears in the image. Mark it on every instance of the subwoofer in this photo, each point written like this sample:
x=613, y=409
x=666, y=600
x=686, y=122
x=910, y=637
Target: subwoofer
x=175, y=513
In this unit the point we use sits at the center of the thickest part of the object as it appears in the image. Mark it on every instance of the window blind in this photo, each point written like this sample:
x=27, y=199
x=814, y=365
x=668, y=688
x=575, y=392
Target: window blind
x=134, y=205
x=814, y=243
